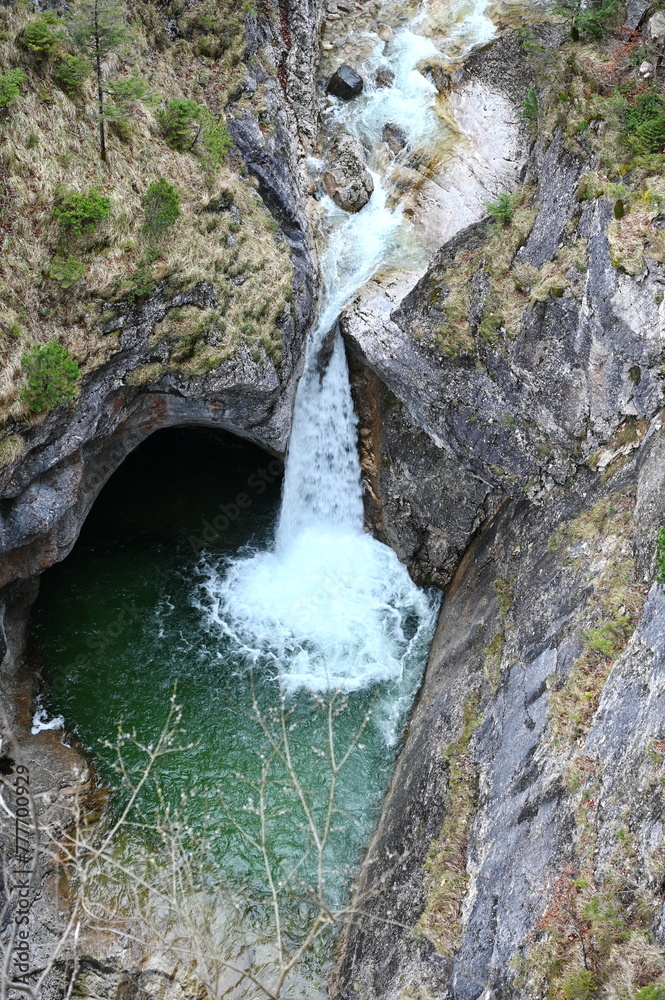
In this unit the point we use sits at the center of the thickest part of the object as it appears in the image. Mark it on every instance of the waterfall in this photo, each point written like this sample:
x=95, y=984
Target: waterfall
x=322, y=482
x=328, y=606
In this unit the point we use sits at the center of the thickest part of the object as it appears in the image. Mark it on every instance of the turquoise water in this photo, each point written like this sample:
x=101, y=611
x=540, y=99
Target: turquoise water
x=128, y=615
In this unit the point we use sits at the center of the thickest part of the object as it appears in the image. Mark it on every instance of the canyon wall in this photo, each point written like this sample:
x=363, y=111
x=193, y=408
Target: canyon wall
x=518, y=460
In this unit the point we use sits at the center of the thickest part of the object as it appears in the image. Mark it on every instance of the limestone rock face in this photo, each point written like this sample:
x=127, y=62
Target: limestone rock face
x=548, y=793
x=582, y=373
x=345, y=83
x=348, y=181
x=656, y=27
x=525, y=473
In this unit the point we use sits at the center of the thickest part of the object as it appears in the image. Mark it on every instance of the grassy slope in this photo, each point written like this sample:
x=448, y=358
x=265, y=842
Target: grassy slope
x=49, y=141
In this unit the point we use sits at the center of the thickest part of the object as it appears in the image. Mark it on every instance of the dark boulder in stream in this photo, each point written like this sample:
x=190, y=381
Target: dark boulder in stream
x=345, y=83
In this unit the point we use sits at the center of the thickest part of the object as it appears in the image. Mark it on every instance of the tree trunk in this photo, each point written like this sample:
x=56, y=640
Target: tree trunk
x=100, y=90
x=100, y=94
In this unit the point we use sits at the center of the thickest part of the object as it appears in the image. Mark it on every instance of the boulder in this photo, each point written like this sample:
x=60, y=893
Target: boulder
x=656, y=27
x=384, y=77
x=347, y=180
x=345, y=83
x=394, y=137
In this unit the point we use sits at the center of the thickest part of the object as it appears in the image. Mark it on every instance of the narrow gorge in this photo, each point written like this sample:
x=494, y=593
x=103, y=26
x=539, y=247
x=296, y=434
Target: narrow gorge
x=332, y=587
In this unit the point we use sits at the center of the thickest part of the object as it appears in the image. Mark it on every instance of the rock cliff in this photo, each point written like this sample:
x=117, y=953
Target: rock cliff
x=513, y=450
x=165, y=361
x=62, y=459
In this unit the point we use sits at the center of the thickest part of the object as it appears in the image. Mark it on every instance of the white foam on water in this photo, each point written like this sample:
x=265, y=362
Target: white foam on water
x=41, y=721
x=471, y=27
x=333, y=609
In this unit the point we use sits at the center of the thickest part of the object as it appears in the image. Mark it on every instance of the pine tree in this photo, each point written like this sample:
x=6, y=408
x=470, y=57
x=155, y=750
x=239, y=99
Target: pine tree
x=97, y=28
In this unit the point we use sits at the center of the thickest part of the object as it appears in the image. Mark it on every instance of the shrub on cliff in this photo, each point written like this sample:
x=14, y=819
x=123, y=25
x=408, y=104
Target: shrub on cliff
x=179, y=122
x=70, y=74
x=81, y=212
x=579, y=985
x=594, y=20
x=162, y=207
x=10, y=86
x=503, y=208
x=645, y=123
x=597, y=21
x=184, y=123
x=655, y=991
x=125, y=94
x=52, y=377
x=38, y=37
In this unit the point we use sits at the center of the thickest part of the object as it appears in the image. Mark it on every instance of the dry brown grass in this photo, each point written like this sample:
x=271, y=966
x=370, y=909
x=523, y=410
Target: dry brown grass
x=246, y=262
x=599, y=540
x=446, y=878
x=506, y=298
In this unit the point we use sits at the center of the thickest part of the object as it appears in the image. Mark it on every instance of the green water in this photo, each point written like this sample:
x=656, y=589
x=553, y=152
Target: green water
x=123, y=620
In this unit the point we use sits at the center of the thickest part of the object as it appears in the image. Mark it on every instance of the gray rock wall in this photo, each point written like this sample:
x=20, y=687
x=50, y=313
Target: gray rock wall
x=521, y=840
x=518, y=416
x=550, y=796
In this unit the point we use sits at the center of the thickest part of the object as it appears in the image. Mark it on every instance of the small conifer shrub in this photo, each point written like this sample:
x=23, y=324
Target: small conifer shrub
x=10, y=86
x=81, y=212
x=70, y=74
x=52, y=377
x=162, y=207
x=38, y=37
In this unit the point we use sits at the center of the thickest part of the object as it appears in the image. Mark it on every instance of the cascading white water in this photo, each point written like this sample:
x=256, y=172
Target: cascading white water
x=322, y=482
x=329, y=606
